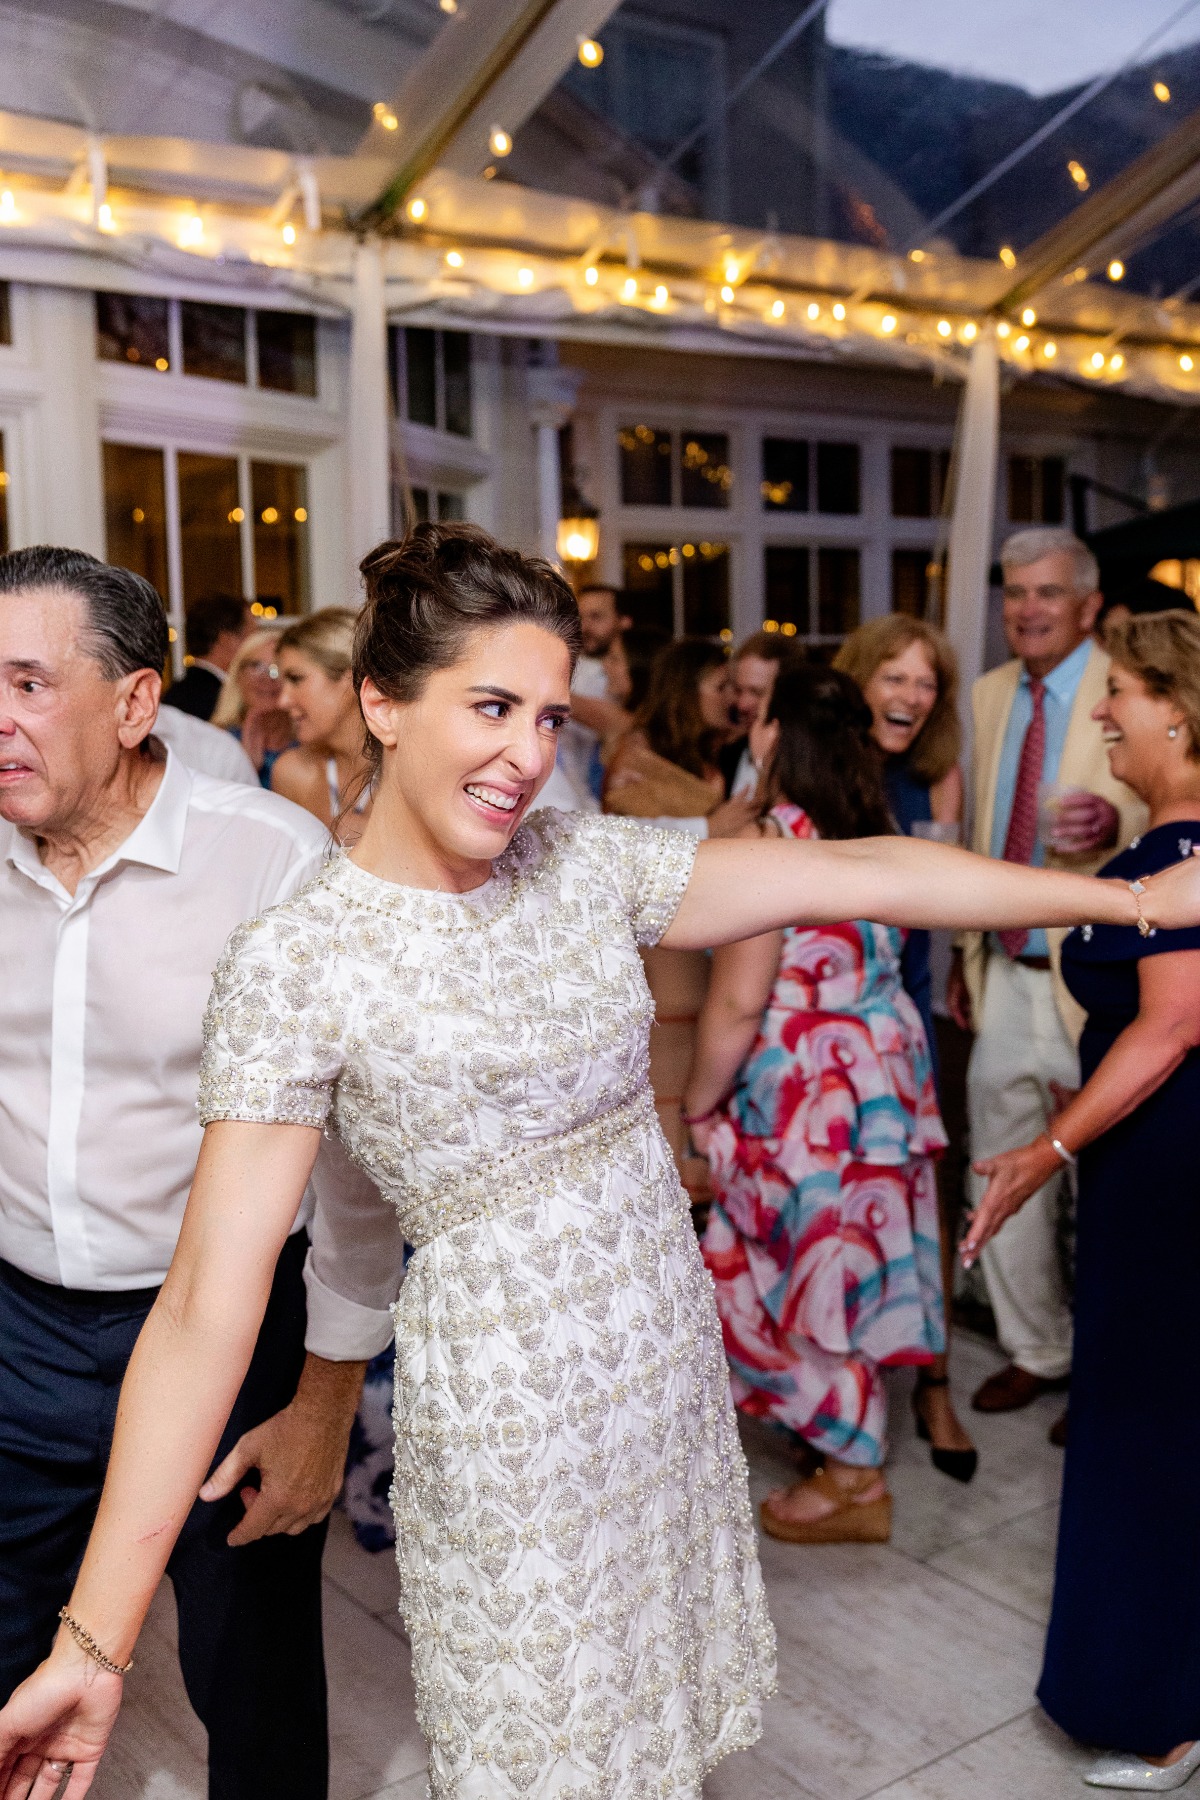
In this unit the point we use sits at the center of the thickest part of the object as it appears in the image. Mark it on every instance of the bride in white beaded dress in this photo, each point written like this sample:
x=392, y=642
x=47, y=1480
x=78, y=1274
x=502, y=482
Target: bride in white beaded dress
x=461, y=997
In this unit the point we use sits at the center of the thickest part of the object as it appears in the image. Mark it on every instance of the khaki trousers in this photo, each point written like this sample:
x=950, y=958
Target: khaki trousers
x=1021, y=1047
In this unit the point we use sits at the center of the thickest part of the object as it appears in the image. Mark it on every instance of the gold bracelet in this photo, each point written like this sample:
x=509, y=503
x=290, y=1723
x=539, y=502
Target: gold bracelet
x=90, y=1647
x=1137, y=889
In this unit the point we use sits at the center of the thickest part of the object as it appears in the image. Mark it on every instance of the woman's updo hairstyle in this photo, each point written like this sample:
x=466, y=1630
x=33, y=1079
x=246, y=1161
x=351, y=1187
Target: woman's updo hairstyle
x=428, y=592
x=825, y=760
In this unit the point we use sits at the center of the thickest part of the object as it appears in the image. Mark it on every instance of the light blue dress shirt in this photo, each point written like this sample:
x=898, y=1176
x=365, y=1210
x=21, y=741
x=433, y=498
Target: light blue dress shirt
x=1062, y=685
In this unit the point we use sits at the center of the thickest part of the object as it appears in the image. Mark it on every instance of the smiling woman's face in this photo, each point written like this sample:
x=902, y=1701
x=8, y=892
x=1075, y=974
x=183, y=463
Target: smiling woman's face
x=463, y=762
x=901, y=695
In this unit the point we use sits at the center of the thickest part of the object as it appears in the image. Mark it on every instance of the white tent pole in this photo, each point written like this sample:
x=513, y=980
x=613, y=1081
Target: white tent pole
x=971, y=523
x=368, y=423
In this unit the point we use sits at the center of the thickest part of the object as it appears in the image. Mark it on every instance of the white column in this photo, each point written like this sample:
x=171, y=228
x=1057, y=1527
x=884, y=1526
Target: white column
x=970, y=545
x=552, y=394
x=67, y=487
x=368, y=509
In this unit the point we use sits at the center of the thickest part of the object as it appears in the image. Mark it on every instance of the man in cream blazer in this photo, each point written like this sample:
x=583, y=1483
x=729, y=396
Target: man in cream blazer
x=1026, y=1023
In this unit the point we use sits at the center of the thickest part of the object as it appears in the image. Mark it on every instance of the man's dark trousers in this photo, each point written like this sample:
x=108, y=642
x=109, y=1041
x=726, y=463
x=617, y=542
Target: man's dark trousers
x=250, y=1643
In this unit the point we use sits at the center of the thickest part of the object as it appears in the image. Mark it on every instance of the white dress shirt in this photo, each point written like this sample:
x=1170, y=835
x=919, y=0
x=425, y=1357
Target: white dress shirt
x=204, y=747
x=576, y=743
x=102, y=998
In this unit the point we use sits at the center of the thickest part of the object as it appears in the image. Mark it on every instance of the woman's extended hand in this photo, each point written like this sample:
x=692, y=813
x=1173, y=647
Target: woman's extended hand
x=1172, y=897
x=61, y=1714
x=1013, y=1176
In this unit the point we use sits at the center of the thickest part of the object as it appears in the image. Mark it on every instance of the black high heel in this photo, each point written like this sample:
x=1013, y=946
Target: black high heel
x=960, y=1465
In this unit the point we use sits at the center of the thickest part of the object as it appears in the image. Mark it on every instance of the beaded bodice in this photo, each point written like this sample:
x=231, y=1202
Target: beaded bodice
x=468, y=1045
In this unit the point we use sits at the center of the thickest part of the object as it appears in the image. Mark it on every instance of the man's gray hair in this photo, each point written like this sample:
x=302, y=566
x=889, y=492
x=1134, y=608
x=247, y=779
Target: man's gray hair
x=126, y=620
x=1029, y=546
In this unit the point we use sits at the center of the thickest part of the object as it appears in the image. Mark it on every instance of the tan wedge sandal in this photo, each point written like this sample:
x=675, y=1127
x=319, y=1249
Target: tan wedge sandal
x=853, y=1521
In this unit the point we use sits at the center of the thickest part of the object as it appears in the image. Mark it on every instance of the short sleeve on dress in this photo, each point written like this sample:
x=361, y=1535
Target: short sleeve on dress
x=651, y=867
x=274, y=1030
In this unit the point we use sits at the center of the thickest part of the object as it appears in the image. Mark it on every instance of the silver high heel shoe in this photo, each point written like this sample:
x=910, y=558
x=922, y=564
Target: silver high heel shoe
x=1120, y=1770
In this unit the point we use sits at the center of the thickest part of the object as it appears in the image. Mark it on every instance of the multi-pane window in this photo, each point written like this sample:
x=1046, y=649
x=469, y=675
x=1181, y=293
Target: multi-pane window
x=679, y=588
x=665, y=468
x=271, y=350
x=812, y=591
x=237, y=525
x=431, y=377
x=430, y=504
x=918, y=482
x=4, y=544
x=799, y=477
x=1035, y=490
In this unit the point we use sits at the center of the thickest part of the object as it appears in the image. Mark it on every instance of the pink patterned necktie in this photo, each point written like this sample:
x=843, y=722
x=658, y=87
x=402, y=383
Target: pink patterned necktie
x=1021, y=841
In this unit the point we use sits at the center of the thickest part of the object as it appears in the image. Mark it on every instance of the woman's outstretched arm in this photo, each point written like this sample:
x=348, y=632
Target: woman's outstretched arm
x=740, y=889
x=179, y=1389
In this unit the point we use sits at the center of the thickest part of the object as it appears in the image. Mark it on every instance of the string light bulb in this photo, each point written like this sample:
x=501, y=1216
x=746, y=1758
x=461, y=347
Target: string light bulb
x=448, y=6
x=499, y=142
x=1162, y=92
x=1186, y=363
x=1049, y=350
x=104, y=217
x=917, y=256
x=629, y=288
x=944, y=328
x=8, y=208
x=1079, y=175
x=454, y=258
x=591, y=54
x=191, y=231
x=1008, y=256
x=727, y=294
x=839, y=311
x=777, y=309
x=1004, y=329
x=1116, y=363
x=887, y=324
x=970, y=331
x=813, y=311
x=1021, y=343
x=591, y=275
x=732, y=272
x=661, y=295
x=525, y=278
x=1116, y=269
x=385, y=116
x=1029, y=317
x=418, y=209
x=289, y=234
x=1097, y=359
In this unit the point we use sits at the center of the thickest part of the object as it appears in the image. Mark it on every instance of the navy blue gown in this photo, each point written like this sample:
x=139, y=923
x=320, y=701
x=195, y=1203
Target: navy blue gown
x=1122, y=1667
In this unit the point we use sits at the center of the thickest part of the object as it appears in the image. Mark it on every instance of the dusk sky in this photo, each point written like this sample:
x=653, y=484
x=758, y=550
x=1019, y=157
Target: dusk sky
x=1038, y=45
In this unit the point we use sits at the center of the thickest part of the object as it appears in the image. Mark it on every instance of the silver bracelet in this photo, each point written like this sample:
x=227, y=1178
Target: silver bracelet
x=1060, y=1150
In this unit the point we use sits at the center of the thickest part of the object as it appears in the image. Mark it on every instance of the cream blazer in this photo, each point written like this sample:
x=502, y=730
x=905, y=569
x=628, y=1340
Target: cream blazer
x=1084, y=764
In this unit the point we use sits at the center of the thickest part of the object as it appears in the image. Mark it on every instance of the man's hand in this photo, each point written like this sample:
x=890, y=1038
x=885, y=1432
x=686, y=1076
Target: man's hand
x=300, y=1455
x=958, y=997
x=1083, y=823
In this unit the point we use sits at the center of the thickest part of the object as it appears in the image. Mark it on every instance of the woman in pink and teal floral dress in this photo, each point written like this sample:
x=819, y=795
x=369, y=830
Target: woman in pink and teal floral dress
x=812, y=1094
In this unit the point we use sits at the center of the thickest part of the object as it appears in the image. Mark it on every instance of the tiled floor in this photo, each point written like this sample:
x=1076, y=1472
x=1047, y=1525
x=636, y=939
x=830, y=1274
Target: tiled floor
x=906, y=1672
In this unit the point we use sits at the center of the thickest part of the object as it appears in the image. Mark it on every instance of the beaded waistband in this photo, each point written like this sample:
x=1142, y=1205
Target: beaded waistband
x=503, y=1183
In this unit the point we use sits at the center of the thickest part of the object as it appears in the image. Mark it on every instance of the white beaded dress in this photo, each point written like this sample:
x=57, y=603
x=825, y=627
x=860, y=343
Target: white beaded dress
x=578, y=1563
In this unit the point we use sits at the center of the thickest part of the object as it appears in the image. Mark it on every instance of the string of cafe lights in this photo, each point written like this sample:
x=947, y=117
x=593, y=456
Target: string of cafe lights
x=731, y=297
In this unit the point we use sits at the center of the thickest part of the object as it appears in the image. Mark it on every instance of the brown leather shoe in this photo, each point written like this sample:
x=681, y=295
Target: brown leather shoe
x=1058, y=1432
x=1011, y=1388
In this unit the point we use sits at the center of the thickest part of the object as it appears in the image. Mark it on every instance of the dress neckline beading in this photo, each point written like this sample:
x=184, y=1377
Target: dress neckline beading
x=432, y=908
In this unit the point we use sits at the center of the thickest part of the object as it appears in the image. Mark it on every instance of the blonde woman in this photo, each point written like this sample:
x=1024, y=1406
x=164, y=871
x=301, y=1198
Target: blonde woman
x=909, y=678
x=327, y=773
x=250, y=704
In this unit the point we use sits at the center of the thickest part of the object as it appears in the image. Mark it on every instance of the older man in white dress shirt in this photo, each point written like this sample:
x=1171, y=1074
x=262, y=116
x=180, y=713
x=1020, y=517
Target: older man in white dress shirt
x=122, y=872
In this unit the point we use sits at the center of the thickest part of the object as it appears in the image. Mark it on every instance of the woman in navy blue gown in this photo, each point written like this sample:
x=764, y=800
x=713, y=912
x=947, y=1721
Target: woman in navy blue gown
x=1122, y=1667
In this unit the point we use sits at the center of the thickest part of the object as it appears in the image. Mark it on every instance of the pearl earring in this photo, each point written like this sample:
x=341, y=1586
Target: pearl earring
x=1172, y=731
